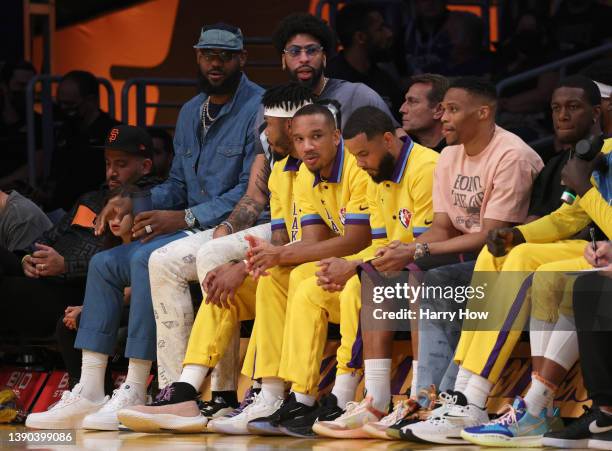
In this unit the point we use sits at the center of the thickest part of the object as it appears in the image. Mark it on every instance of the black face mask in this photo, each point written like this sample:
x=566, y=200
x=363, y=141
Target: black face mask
x=229, y=86
x=385, y=169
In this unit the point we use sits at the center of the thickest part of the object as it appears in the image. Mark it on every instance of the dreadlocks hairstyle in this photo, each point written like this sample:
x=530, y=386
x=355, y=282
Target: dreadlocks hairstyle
x=303, y=23
x=287, y=96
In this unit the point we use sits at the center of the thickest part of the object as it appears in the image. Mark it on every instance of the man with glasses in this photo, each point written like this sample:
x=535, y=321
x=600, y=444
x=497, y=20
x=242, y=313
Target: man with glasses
x=214, y=151
x=304, y=42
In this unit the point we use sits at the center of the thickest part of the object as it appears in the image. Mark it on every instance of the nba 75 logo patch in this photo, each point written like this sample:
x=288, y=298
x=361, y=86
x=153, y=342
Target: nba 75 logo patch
x=405, y=216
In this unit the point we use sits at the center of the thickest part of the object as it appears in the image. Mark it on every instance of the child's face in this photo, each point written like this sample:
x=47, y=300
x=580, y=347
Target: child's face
x=121, y=227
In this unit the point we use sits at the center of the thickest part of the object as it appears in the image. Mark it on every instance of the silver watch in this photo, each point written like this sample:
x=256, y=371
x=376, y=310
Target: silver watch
x=190, y=219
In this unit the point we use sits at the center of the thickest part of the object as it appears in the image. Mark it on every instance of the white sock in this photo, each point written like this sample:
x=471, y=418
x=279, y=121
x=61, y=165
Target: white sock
x=93, y=368
x=194, y=375
x=138, y=373
x=272, y=388
x=344, y=388
x=539, y=395
x=563, y=344
x=413, y=386
x=304, y=399
x=539, y=336
x=463, y=377
x=477, y=390
x=378, y=382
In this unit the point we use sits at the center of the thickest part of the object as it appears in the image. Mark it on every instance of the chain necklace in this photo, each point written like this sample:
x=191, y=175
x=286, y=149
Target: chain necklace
x=205, y=116
x=325, y=80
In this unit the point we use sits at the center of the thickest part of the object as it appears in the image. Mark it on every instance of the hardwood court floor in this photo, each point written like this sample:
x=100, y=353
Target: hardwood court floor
x=111, y=441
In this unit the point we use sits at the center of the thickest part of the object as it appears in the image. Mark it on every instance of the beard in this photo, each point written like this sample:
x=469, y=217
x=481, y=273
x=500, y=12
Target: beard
x=316, y=76
x=385, y=169
x=228, y=86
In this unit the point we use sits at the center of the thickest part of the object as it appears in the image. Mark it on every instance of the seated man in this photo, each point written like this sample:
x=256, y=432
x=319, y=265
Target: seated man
x=330, y=174
x=591, y=304
x=482, y=180
x=55, y=265
x=21, y=222
x=399, y=199
x=214, y=151
x=482, y=352
x=170, y=271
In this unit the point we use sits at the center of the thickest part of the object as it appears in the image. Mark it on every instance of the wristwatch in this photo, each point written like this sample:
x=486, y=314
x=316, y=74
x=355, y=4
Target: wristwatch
x=190, y=219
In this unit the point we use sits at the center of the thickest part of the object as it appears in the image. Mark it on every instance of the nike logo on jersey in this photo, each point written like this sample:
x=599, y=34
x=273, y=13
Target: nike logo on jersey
x=428, y=222
x=598, y=429
x=362, y=208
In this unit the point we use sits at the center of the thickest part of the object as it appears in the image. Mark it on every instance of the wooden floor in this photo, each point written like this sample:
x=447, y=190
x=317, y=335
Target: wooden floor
x=111, y=441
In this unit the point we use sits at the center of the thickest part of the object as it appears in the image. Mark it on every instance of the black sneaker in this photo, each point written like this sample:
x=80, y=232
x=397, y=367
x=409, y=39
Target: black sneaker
x=175, y=393
x=592, y=425
x=290, y=409
x=327, y=410
x=602, y=440
x=217, y=407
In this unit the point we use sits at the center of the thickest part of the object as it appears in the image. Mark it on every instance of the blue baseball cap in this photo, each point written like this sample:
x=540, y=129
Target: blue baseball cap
x=220, y=36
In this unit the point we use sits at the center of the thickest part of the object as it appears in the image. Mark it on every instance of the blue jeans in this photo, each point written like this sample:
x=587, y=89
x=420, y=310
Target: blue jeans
x=438, y=338
x=108, y=274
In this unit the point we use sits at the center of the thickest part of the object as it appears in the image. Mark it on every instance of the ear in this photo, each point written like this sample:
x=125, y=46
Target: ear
x=388, y=138
x=147, y=166
x=484, y=112
x=288, y=126
x=283, y=62
x=360, y=37
x=197, y=55
x=596, y=114
x=337, y=137
x=438, y=112
x=243, y=59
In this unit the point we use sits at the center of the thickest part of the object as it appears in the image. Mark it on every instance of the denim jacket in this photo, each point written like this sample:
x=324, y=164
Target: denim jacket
x=210, y=172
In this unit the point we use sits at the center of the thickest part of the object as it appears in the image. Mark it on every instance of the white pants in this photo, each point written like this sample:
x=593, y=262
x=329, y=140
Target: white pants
x=171, y=269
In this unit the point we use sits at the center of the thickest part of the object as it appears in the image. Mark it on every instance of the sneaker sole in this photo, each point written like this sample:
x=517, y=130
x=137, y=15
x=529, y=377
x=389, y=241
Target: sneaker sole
x=600, y=444
x=334, y=433
x=564, y=443
x=140, y=422
x=376, y=433
x=393, y=434
x=51, y=425
x=263, y=429
x=228, y=429
x=99, y=426
x=291, y=433
x=431, y=438
x=502, y=441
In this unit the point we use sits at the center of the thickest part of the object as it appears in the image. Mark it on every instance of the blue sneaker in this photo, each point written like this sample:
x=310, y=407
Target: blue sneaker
x=516, y=428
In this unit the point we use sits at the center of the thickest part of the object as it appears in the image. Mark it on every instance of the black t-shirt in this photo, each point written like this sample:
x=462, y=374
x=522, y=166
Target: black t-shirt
x=376, y=78
x=78, y=160
x=547, y=188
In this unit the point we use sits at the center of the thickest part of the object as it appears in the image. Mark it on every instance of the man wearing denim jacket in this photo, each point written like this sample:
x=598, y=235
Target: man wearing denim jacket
x=214, y=151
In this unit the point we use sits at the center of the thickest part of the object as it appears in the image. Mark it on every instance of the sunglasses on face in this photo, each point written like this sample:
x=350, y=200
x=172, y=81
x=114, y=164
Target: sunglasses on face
x=223, y=55
x=296, y=50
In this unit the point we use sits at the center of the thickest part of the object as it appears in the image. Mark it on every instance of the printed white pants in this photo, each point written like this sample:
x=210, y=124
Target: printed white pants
x=171, y=269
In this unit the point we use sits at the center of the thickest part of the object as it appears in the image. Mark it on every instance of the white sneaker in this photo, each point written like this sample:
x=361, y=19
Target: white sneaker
x=67, y=413
x=237, y=425
x=445, y=425
x=106, y=419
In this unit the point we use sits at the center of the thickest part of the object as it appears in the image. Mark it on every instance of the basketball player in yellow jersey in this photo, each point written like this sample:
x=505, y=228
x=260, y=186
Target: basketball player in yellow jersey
x=399, y=199
x=230, y=292
x=331, y=194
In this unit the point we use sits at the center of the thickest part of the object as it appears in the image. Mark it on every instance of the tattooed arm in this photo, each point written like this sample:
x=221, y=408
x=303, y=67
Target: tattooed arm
x=250, y=206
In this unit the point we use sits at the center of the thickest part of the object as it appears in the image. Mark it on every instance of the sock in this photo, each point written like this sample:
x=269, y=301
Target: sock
x=93, y=368
x=138, y=373
x=413, y=386
x=563, y=344
x=307, y=400
x=378, y=382
x=477, y=390
x=194, y=375
x=539, y=395
x=272, y=388
x=344, y=388
x=463, y=377
x=539, y=336
x=256, y=384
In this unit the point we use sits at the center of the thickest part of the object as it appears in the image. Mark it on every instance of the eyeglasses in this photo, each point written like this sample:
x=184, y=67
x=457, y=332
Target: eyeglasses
x=223, y=55
x=311, y=50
